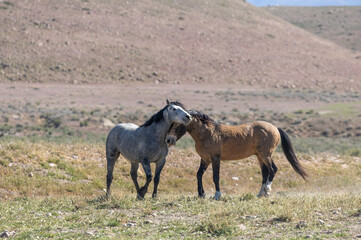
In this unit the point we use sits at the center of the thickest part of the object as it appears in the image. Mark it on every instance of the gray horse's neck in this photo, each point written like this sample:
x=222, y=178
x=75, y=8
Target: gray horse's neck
x=160, y=129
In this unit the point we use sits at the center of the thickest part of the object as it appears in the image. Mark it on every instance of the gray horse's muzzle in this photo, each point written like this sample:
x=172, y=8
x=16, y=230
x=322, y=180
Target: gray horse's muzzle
x=188, y=119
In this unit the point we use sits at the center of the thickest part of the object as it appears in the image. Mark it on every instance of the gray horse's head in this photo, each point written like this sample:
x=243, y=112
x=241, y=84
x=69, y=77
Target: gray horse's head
x=177, y=114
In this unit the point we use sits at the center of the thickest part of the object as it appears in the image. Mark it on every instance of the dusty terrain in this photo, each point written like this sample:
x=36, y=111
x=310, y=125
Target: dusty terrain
x=341, y=25
x=166, y=41
x=36, y=109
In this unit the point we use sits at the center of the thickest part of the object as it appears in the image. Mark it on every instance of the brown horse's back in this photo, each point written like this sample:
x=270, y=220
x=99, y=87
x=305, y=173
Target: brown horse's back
x=238, y=142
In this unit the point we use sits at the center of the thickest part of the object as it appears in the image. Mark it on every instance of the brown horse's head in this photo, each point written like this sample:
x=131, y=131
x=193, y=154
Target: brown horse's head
x=199, y=121
x=175, y=133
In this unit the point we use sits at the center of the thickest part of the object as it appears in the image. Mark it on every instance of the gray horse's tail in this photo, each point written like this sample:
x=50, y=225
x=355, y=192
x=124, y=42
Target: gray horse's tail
x=290, y=154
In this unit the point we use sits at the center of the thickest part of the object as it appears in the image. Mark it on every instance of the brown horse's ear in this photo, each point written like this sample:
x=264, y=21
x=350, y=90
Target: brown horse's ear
x=168, y=102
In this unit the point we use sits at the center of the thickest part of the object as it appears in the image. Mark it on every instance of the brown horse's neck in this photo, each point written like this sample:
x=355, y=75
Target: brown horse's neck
x=198, y=129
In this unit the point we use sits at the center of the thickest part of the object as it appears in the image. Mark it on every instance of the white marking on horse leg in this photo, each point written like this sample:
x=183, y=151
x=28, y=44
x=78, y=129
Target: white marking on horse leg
x=217, y=196
x=268, y=188
x=262, y=191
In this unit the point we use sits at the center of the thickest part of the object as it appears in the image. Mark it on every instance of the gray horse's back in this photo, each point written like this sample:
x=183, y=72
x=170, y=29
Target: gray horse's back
x=119, y=137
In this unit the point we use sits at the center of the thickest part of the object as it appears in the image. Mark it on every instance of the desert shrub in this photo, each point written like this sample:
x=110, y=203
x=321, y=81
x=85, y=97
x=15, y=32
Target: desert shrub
x=51, y=121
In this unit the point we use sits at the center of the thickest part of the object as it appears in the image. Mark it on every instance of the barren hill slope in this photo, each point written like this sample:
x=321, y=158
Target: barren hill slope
x=341, y=25
x=165, y=41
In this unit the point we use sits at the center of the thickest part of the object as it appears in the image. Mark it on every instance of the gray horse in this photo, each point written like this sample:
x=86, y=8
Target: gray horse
x=144, y=144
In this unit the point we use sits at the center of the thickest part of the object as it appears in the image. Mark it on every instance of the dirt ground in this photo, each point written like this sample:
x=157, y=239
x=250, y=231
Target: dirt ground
x=28, y=108
x=131, y=96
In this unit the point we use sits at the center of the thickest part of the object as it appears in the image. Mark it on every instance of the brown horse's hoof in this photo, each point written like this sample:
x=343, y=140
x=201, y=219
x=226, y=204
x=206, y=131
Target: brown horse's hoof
x=217, y=196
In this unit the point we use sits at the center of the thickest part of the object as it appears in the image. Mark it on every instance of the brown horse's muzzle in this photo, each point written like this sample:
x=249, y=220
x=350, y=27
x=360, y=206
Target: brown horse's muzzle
x=170, y=140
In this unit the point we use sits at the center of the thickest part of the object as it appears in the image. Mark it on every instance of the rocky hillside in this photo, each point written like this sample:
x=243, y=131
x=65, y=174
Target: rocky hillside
x=229, y=41
x=341, y=25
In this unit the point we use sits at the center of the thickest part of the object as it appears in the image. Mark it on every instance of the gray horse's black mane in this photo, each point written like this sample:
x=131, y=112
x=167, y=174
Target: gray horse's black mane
x=202, y=117
x=159, y=115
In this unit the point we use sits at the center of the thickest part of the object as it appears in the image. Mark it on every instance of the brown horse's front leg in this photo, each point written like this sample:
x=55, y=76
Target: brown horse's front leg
x=202, y=168
x=216, y=164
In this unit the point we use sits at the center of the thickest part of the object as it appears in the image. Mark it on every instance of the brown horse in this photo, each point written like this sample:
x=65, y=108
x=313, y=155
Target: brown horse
x=215, y=142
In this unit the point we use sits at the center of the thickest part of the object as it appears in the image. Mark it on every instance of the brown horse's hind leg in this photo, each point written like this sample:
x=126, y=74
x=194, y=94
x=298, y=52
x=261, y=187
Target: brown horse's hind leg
x=269, y=170
x=202, y=168
x=265, y=175
x=273, y=173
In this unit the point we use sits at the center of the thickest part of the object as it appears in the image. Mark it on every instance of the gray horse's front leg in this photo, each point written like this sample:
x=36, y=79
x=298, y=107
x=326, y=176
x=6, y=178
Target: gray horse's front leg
x=134, y=175
x=148, y=172
x=158, y=169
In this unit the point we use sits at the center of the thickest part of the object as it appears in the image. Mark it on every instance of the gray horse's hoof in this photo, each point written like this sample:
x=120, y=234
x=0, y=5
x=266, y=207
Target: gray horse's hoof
x=202, y=196
x=140, y=197
x=217, y=196
x=142, y=192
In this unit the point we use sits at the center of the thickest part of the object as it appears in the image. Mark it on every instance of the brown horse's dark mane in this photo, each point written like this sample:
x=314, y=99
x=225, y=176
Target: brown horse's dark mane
x=204, y=118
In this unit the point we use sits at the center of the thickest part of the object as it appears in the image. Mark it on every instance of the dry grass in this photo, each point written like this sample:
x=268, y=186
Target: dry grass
x=63, y=183
x=58, y=169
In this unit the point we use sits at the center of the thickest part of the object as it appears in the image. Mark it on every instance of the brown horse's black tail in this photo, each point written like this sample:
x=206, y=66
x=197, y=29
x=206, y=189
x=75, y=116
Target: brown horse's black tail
x=290, y=154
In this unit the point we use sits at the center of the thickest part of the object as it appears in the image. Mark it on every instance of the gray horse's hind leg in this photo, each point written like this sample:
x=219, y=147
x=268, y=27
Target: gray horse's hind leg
x=111, y=159
x=148, y=172
x=158, y=169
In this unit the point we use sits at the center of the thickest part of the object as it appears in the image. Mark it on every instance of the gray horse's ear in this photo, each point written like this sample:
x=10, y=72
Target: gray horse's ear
x=168, y=102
